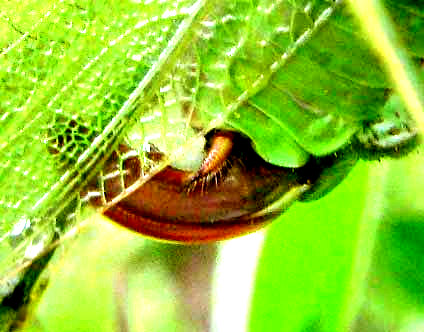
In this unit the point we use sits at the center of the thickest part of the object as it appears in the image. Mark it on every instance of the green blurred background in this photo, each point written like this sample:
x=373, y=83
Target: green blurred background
x=351, y=261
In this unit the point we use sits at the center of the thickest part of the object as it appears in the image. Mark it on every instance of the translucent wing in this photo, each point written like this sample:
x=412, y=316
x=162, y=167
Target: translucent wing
x=75, y=76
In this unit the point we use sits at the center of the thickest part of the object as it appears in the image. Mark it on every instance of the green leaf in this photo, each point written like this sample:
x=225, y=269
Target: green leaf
x=387, y=44
x=320, y=282
x=315, y=257
x=394, y=288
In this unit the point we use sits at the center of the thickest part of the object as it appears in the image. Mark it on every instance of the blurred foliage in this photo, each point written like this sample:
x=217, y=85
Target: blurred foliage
x=103, y=285
x=77, y=76
x=316, y=247
x=318, y=270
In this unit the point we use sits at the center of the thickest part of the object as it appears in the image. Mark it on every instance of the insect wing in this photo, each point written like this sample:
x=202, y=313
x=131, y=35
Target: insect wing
x=70, y=89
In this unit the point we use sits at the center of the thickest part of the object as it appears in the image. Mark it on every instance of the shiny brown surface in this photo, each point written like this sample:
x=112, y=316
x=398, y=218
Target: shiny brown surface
x=166, y=207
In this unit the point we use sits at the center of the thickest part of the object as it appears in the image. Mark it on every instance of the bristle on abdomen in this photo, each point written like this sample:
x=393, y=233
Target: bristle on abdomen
x=218, y=153
x=220, y=149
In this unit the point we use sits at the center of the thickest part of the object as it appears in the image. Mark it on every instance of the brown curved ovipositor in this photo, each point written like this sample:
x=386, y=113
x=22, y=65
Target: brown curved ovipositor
x=252, y=193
